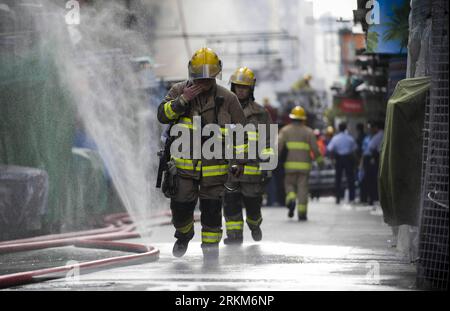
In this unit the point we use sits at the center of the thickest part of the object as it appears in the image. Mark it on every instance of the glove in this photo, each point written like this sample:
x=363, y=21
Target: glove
x=237, y=170
x=170, y=183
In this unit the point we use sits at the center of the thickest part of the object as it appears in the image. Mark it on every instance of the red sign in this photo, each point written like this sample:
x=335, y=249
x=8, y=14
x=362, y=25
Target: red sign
x=350, y=105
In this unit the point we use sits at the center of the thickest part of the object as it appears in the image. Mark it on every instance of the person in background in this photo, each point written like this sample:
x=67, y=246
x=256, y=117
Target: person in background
x=342, y=148
x=323, y=150
x=302, y=84
x=329, y=132
x=297, y=140
x=364, y=168
x=375, y=144
x=247, y=190
x=320, y=142
x=272, y=187
x=360, y=135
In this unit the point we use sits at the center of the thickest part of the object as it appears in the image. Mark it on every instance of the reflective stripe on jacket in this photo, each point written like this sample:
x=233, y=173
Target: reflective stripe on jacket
x=300, y=141
x=214, y=171
x=256, y=114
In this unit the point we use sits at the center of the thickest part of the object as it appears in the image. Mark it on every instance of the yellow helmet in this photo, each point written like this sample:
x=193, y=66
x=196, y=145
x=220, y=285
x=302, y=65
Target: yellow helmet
x=243, y=76
x=307, y=77
x=329, y=130
x=298, y=113
x=204, y=64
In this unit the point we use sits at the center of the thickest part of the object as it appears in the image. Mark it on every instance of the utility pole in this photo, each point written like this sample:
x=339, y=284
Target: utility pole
x=183, y=29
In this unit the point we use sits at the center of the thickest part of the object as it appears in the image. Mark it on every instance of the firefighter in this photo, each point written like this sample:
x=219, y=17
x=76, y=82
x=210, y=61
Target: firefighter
x=201, y=179
x=248, y=189
x=298, y=139
x=320, y=143
x=329, y=133
x=342, y=148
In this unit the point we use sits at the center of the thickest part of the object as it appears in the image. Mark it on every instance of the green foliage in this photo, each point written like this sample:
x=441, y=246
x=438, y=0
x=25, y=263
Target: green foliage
x=399, y=25
x=372, y=41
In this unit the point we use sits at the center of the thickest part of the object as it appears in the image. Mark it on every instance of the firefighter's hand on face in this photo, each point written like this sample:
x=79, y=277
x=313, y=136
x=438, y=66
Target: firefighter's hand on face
x=189, y=93
x=237, y=170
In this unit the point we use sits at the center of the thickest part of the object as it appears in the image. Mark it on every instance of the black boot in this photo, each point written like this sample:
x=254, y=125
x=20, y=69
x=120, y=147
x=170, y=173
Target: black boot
x=234, y=237
x=257, y=234
x=182, y=215
x=291, y=207
x=232, y=209
x=180, y=247
x=302, y=217
x=254, y=217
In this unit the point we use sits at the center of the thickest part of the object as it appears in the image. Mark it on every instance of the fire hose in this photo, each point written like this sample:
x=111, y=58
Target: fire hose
x=119, y=227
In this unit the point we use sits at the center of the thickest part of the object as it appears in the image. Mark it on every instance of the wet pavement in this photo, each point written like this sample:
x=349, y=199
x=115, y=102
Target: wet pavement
x=340, y=247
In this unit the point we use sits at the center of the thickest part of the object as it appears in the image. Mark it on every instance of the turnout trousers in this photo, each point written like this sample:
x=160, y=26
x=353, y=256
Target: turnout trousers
x=183, y=204
x=248, y=196
x=296, y=185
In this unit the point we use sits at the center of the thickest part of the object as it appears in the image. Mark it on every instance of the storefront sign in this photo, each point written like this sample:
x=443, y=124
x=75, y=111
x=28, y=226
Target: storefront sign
x=388, y=31
x=351, y=105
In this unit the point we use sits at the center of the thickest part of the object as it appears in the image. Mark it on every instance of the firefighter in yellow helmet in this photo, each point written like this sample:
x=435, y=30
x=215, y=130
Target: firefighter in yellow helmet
x=329, y=132
x=247, y=190
x=202, y=179
x=298, y=140
x=303, y=83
